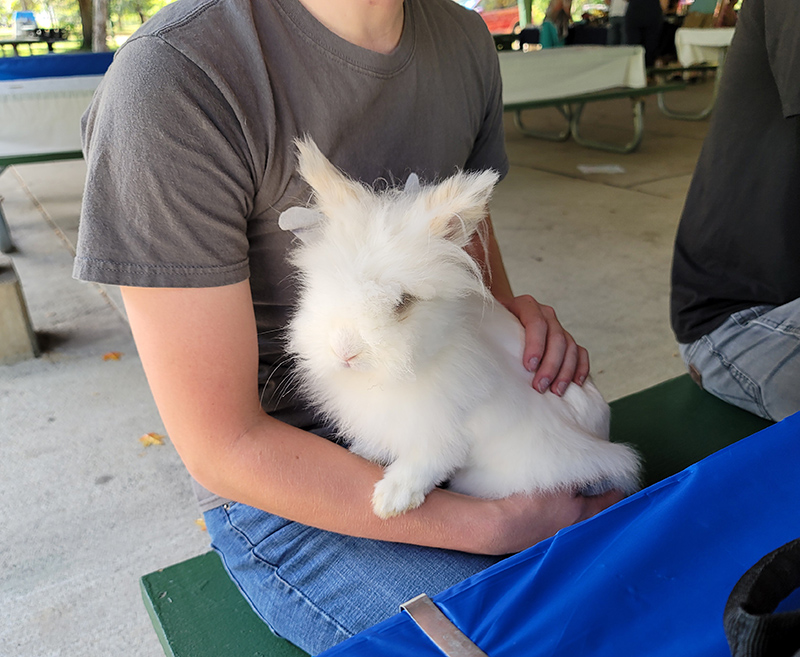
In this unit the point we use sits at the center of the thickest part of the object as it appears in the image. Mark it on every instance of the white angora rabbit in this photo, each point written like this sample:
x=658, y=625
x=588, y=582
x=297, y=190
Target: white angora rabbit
x=399, y=342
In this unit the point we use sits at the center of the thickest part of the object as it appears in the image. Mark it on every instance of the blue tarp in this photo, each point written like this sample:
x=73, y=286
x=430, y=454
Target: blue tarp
x=648, y=577
x=55, y=65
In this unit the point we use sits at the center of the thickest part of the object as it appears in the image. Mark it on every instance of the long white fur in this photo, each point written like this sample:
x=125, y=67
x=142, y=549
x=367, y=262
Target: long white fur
x=434, y=390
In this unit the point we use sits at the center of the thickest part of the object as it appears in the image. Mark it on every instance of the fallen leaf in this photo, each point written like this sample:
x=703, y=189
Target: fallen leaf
x=201, y=523
x=112, y=355
x=152, y=439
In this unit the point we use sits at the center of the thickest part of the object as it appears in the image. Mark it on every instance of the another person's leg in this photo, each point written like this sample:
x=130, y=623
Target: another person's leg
x=631, y=32
x=615, y=34
x=317, y=588
x=752, y=360
x=650, y=37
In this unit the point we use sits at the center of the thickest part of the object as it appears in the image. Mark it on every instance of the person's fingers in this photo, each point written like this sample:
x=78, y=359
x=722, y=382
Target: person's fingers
x=550, y=352
x=531, y=316
x=569, y=365
x=582, y=370
x=556, y=350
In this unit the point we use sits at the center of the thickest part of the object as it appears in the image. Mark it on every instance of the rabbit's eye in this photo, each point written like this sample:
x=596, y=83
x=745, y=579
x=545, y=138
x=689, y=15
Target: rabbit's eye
x=406, y=301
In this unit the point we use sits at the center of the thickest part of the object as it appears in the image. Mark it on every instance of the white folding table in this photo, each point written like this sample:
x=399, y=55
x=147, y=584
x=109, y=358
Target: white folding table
x=569, y=78
x=700, y=46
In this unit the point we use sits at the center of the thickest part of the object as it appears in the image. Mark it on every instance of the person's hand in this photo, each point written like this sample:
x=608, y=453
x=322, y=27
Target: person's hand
x=528, y=519
x=550, y=351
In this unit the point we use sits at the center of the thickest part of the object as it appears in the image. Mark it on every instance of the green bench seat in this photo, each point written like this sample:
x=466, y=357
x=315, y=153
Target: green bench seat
x=198, y=612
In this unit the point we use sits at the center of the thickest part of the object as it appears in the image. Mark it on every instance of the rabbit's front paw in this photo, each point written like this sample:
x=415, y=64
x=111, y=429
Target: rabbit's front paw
x=392, y=497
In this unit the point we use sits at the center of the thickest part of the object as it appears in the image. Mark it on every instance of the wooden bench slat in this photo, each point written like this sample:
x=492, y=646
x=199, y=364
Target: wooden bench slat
x=197, y=611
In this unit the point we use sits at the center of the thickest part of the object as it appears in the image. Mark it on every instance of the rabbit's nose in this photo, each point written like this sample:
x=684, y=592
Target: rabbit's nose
x=347, y=358
x=347, y=347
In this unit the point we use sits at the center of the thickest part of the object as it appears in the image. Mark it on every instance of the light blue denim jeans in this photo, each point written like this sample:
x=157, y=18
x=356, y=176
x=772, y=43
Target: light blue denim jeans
x=317, y=588
x=752, y=360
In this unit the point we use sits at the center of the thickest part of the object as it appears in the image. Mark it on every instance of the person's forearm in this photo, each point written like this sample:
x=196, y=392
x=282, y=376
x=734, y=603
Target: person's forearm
x=305, y=478
x=302, y=477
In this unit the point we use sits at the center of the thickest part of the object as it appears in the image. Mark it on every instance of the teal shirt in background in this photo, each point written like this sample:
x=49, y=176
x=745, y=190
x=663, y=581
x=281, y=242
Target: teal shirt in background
x=703, y=6
x=548, y=36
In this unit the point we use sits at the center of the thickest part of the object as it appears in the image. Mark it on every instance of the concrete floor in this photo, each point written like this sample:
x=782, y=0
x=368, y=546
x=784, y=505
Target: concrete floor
x=87, y=509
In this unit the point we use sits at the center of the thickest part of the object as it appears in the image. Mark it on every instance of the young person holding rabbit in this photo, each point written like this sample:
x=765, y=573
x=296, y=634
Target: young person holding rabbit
x=189, y=146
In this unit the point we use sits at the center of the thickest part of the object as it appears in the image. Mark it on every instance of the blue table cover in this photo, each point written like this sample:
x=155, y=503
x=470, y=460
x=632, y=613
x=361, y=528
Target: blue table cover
x=54, y=65
x=649, y=576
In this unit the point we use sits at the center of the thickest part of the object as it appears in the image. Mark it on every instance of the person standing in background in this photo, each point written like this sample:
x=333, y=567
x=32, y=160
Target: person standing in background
x=616, y=22
x=643, y=27
x=554, y=29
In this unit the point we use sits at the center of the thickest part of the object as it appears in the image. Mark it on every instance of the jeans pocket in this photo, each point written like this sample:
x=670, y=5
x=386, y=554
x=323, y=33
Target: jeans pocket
x=254, y=525
x=743, y=317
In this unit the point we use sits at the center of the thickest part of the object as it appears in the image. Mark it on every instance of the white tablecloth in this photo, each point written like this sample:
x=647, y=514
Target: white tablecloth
x=42, y=115
x=702, y=45
x=561, y=72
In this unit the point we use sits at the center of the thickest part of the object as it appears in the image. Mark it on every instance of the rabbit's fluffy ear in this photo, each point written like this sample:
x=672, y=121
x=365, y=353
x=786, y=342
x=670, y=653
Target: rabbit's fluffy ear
x=331, y=187
x=459, y=204
x=412, y=185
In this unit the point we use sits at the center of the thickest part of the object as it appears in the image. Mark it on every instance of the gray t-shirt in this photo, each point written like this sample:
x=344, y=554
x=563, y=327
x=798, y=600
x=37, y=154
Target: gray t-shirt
x=189, y=142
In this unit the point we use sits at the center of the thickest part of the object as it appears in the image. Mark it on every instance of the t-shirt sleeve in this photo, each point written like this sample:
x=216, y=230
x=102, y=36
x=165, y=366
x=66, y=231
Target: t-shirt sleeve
x=489, y=151
x=782, y=36
x=170, y=181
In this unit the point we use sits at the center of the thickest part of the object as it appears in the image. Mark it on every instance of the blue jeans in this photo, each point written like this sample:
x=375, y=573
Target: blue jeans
x=752, y=360
x=317, y=588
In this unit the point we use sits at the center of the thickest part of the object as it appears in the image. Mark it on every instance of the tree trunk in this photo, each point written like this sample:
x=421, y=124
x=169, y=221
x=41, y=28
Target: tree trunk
x=100, y=25
x=85, y=7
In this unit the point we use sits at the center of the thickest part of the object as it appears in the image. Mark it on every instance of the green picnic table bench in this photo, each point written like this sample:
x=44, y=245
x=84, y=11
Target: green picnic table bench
x=667, y=72
x=571, y=107
x=198, y=612
x=6, y=243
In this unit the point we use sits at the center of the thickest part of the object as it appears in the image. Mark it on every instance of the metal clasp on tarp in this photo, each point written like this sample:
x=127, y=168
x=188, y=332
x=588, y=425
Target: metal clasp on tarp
x=447, y=637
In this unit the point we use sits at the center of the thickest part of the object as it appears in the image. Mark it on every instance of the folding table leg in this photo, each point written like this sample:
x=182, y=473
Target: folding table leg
x=702, y=114
x=552, y=136
x=638, y=130
x=6, y=245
